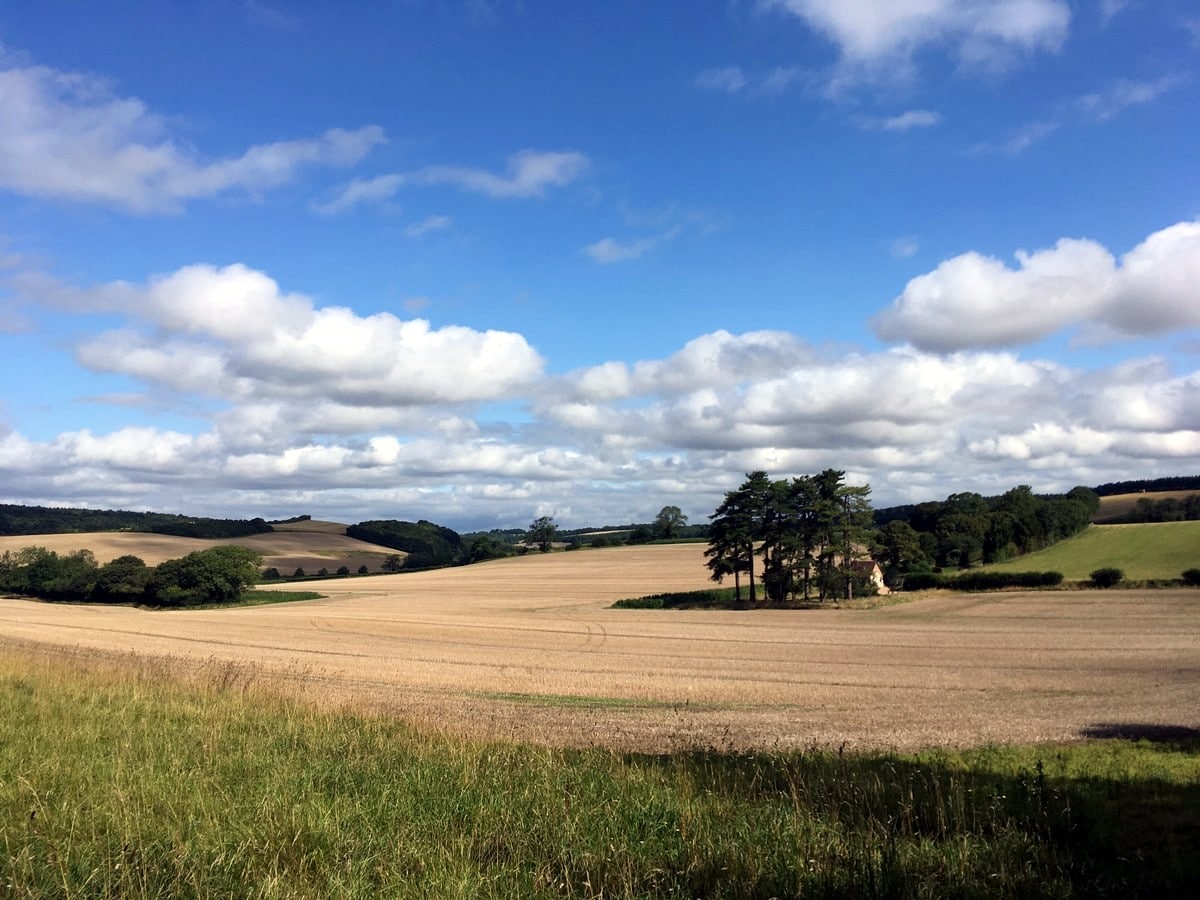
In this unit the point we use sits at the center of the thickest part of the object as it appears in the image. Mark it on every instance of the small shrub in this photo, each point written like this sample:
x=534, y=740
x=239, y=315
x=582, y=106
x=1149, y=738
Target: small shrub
x=363, y=570
x=1191, y=577
x=323, y=571
x=343, y=570
x=270, y=574
x=1106, y=577
x=299, y=573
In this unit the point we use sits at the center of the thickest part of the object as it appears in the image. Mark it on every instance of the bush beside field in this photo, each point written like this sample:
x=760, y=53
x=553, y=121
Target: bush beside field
x=135, y=785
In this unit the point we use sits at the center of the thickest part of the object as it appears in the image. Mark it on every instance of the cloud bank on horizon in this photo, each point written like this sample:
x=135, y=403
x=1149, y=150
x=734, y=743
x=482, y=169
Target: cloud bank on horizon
x=639, y=276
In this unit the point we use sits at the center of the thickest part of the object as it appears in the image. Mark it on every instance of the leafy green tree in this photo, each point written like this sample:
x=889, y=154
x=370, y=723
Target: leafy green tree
x=900, y=551
x=394, y=562
x=44, y=573
x=668, y=522
x=844, y=529
x=215, y=575
x=729, y=552
x=541, y=532
x=363, y=570
x=1086, y=497
x=343, y=570
x=121, y=580
x=1015, y=526
x=640, y=534
x=487, y=547
x=735, y=529
x=787, y=532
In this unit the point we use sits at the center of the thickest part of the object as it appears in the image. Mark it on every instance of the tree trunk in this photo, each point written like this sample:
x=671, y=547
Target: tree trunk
x=753, y=595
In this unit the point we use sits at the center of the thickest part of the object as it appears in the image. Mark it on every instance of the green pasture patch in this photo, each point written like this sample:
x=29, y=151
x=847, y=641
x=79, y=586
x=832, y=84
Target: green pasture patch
x=1143, y=552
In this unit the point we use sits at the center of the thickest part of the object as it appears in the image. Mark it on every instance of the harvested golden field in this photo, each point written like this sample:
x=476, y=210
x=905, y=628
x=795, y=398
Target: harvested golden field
x=308, y=545
x=529, y=648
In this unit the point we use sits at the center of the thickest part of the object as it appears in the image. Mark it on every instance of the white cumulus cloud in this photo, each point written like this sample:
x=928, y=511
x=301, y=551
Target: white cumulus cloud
x=978, y=301
x=231, y=332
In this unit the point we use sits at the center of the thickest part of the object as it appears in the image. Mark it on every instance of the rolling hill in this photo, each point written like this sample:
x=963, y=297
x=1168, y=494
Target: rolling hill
x=1152, y=550
x=310, y=545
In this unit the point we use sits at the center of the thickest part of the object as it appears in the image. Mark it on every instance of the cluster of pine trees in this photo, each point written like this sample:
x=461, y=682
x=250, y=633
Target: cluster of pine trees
x=801, y=537
x=808, y=532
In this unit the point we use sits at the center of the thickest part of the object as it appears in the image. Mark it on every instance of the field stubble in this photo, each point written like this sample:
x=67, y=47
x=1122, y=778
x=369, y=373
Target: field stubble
x=529, y=649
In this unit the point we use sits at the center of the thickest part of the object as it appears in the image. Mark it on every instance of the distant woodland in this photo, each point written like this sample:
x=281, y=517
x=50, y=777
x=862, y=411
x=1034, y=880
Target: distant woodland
x=429, y=546
x=962, y=531
x=1150, y=485
x=53, y=520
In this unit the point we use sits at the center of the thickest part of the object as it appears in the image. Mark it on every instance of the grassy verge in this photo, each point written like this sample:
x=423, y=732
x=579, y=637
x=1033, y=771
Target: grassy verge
x=137, y=785
x=261, y=598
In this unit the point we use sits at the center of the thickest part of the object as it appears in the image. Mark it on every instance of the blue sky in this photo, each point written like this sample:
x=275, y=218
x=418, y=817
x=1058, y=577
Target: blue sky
x=482, y=261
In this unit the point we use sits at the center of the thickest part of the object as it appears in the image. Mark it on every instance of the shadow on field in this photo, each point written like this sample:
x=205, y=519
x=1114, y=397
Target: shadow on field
x=1180, y=737
x=1106, y=819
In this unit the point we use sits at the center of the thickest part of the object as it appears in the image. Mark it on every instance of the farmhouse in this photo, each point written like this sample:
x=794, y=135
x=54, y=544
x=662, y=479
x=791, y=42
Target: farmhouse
x=869, y=569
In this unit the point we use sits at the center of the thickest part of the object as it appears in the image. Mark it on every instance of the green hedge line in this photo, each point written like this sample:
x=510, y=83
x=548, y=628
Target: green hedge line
x=680, y=599
x=981, y=581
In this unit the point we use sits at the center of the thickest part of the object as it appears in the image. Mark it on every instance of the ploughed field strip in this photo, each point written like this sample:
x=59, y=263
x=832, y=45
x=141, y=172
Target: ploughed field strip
x=529, y=648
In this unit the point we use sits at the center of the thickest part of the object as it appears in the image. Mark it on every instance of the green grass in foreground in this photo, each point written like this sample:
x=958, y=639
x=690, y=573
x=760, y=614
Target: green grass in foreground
x=1142, y=552
x=136, y=785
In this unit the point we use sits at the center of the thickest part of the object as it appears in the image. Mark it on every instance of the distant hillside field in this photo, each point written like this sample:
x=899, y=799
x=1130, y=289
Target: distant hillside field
x=1153, y=550
x=307, y=545
x=1121, y=504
